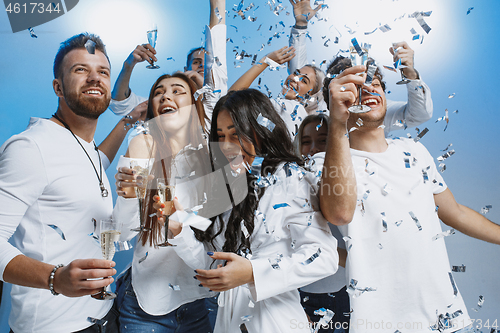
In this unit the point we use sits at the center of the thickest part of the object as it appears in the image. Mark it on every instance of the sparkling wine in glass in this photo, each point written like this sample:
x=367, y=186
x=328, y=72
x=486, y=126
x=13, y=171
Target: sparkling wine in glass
x=166, y=193
x=358, y=56
x=140, y=192
x=152, y=34
x=110, y=233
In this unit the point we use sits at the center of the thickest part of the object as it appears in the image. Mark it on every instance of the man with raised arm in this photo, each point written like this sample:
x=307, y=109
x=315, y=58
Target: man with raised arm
x=417, y=110
x=52, y=190
x=397, y=265
x=205, y=66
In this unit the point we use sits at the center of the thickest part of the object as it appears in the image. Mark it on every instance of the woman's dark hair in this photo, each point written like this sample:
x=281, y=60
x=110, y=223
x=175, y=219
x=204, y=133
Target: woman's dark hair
x=160, y=151
x=340, y=64
x=275, y=145
x=312, y=118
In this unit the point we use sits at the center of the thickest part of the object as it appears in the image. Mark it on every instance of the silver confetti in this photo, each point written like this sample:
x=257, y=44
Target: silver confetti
x=244, y=229
x=486, y=209
x=143, y=258
x=446, y=155
x=275, y=261
x=452, y=280
x=419, y=17
x=479, y=303
x=263, y=121
x=32, y=33
x=326, y=317
x=421, y=134
x=58, y=230
x=385, y=28
x=90, y=46
x=444, y=234
x=458, y=269
x=355, y=292
x=312, y=258
x=384, y=223
x=247, y=318
x=415, y=219
x=174, y=287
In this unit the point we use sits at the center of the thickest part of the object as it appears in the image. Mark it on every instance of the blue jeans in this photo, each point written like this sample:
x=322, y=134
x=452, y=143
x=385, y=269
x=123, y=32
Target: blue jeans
x=188, y=318
x=337, y=302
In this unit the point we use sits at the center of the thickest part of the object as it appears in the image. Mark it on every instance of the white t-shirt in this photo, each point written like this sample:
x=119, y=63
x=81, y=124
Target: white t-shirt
x=289, y=231
x=404, y=280
x=49, y=194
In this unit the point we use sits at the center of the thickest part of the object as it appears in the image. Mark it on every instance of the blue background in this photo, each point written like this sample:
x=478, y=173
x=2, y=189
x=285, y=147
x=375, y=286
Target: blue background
x=458, y=56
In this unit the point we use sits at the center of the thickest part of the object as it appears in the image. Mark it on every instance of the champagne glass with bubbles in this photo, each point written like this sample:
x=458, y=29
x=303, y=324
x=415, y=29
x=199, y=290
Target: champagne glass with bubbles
x=152, y=34
x=359, y=56
x=110, y=233
x=166, y=193
x=140, y=192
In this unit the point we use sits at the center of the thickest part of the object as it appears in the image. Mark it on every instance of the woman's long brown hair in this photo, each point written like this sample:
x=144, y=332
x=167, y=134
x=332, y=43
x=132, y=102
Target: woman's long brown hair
x=162, y=164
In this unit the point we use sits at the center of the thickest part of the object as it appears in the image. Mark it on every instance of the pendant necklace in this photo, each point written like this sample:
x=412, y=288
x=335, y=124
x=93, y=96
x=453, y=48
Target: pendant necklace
x=104, y=192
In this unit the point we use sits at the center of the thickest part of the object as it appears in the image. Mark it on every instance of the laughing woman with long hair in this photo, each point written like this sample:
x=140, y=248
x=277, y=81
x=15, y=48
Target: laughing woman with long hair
x=275, y=239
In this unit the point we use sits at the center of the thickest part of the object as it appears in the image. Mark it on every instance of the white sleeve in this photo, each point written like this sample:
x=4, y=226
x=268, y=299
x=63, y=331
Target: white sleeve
x=215, y=74
x=416, y=111
x=314, y=255
x=190, y=250
x=298, y=41
x=126, y=210
x=22, y=181
x=124, y=107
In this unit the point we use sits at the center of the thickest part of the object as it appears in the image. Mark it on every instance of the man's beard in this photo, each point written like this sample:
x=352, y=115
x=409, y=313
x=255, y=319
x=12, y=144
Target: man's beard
x=90, y=108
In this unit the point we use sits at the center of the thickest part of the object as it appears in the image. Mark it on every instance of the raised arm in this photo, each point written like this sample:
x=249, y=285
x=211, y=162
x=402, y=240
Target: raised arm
x=418, y=109
x=338, y=185
x=466, y=220
x=280, y=56
x=113, y=141
x=303, y=12
x=121, y=90
x=220, y=5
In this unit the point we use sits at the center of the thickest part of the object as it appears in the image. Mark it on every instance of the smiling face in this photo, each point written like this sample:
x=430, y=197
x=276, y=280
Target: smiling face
x=300, y=82
x=378, y=105
x=85, y=83
x=313, y=140
x=172, y=101
x=238, y=154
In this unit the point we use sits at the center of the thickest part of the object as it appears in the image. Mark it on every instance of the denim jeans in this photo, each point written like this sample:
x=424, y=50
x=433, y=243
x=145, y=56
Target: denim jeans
x=337, y=302
x=188, y=318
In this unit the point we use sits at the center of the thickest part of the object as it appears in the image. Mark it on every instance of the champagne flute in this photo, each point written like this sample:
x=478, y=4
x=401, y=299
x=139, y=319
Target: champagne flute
x=358, y=56
x=397, y=65
x=152, y=34
x=110, y=233
x=166, y=193
x=140, y=192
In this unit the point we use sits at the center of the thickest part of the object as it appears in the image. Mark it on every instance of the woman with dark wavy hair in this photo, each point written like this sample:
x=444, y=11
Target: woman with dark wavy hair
x=274, y=239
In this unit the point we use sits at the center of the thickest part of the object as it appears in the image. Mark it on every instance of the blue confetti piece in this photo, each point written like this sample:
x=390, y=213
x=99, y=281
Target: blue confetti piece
x=294, y=112
x=281, y=205
x=58, y=230
x=357, y=47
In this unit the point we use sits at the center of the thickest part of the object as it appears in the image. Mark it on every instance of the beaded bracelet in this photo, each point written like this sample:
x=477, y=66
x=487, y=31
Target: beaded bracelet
x=51, y=279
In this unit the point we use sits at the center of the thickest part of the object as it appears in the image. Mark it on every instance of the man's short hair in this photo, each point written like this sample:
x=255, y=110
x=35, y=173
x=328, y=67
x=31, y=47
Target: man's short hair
x=190, y=55
x=76, y=42
x=340, y=64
